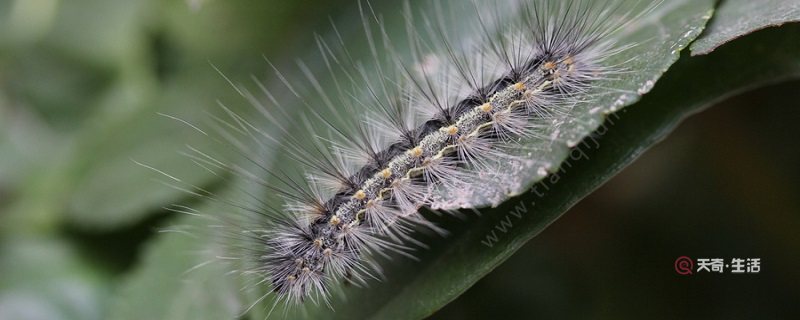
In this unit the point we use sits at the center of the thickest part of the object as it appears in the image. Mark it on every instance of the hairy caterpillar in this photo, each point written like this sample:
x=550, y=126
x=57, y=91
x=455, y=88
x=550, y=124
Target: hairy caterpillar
x=458, y=122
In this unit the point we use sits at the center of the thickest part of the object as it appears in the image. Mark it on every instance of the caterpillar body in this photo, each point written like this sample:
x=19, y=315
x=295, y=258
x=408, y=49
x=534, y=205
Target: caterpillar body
x=460, y=126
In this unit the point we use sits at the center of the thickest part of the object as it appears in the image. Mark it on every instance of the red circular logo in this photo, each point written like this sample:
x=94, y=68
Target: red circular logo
x=684, y=265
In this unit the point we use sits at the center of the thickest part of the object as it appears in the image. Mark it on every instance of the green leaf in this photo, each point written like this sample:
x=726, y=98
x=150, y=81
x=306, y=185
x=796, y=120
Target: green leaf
x=180, y=277
x=416, y=289
x=735, y=18
x=109, y=190
x=657, y=37
x=47, y=279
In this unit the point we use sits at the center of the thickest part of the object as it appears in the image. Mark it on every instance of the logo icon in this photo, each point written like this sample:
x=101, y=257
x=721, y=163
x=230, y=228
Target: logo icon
x=684, y=265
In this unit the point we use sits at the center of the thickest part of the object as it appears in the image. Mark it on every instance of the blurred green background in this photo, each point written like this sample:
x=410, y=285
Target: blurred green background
x=82, y=83
x=81, y=86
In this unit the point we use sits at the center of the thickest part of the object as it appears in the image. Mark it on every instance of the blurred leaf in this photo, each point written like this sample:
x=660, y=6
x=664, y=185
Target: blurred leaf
x=46, y=279
x=110, y=190
x=100, y=32
x=180, y=277
x=735, y=18
x=63, y=91
x=24, y=141
x=26, y=21
x=80, y=67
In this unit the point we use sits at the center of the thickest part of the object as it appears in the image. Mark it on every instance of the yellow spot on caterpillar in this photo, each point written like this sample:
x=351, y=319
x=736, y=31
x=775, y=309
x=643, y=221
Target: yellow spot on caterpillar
x=519, y=86
x=451, y=130
x=416, y=152
x=291, y=278
x=360, y=195
x=486, y=107
x=317, y=243
x=370, y=204
x=569, y=60
x=306, y=270
x=327, y=252
x=549, y=65
x=335, y=220
x=386, y=173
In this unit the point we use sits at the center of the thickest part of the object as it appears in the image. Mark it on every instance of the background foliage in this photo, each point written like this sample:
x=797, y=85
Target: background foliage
x=81, y=83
